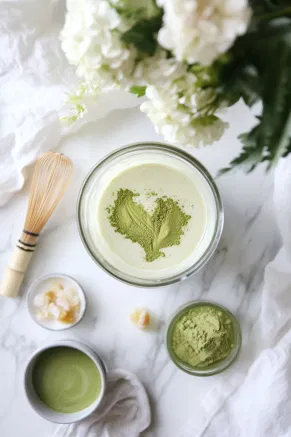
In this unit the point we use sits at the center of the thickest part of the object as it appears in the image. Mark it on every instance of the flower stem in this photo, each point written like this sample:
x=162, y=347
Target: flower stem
x=277, y=14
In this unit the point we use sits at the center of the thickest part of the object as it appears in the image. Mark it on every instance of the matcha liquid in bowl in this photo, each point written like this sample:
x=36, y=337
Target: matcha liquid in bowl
x=65, y=381
x=150, y=214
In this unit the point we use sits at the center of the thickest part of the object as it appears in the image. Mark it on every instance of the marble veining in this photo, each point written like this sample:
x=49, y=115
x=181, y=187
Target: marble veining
x=233, y=277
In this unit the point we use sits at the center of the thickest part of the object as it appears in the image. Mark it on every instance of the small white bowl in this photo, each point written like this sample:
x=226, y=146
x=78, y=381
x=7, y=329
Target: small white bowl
x=46, y=412
x=38, y=285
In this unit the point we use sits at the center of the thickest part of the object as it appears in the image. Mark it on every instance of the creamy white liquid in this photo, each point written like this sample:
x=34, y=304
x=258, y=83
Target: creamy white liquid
x=166, y=176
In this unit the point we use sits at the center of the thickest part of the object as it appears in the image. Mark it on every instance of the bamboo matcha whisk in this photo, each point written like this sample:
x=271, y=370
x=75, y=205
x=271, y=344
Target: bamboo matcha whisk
x=51, y=178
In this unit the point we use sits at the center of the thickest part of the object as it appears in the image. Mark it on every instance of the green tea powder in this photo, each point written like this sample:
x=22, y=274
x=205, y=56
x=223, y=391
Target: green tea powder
x=203, y=336
x=153, y=232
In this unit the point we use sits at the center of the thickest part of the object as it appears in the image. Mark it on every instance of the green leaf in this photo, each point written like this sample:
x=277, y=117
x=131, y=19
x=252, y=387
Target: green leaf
x=288, y=150
x=138, y=90
x=275, y=127
x=143, y=35
x=136, y=10
x=263, y=6
x=250, y=156
x=240, y=81
x=259, y=68
x=144, y=19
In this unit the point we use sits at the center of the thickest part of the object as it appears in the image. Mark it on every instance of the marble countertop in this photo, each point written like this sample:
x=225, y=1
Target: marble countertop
x=233, y=277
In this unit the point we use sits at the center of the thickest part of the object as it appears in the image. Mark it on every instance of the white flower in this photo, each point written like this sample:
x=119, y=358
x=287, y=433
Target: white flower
x=183, y=114
x=91, y=41
x=195, y=30
x=158, y=70
x=200, y=30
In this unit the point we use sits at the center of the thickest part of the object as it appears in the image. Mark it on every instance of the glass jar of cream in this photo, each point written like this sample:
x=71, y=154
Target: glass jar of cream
x=150, y=214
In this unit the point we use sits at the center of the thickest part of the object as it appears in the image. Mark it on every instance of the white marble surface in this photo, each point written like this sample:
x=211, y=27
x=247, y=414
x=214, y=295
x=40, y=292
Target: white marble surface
x=233, y=277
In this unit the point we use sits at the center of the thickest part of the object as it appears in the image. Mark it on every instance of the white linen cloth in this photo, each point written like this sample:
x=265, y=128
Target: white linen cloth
x=255, y=399
x=34, y=79
x=124, y=411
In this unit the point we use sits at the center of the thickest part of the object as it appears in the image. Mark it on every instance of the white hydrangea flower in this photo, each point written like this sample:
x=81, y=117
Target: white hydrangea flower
x=200, y=30
x=91, y=41
x=158, y=70
x=183, y=114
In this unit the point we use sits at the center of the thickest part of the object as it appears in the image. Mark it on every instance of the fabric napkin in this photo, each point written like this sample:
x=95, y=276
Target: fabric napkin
x=124, y=411
x=255, y=399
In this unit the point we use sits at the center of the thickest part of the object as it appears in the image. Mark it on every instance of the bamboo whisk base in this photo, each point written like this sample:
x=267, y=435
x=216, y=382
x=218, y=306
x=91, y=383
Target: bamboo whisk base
x=11, y=283
x=14, y=273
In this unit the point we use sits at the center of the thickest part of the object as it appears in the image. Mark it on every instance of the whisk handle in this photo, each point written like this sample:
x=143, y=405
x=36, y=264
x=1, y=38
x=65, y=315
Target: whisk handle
x=15, y=272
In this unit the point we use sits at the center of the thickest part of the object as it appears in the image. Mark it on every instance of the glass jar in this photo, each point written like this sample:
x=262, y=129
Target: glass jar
x=213, y=368
x=118, y=161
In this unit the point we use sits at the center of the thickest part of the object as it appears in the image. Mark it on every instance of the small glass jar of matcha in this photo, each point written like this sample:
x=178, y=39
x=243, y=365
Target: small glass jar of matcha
x=203, y=338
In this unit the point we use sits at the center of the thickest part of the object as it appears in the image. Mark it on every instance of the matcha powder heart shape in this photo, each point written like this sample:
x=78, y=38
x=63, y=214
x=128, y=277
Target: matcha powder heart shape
x=152, y=232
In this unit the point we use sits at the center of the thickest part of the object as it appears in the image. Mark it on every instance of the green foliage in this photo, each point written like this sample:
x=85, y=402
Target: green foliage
x=138, y=90
x=145, y=19
x=76, y=101
x=250, y=156
x=135, y=10
x=143, y=35
x=268, y=6
x=259, y=68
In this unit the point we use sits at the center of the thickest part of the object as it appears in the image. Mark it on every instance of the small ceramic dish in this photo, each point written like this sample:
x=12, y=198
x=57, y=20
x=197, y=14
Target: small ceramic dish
x=42, y=409
x=216, y=367
x=42, y=286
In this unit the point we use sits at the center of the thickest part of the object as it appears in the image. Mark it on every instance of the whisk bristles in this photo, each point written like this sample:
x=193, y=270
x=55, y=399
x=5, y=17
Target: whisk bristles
x=51, y=178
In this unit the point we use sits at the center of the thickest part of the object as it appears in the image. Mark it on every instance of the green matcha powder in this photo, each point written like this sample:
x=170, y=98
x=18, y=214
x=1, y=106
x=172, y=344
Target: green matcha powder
x=153, y=232
x=202, y=336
